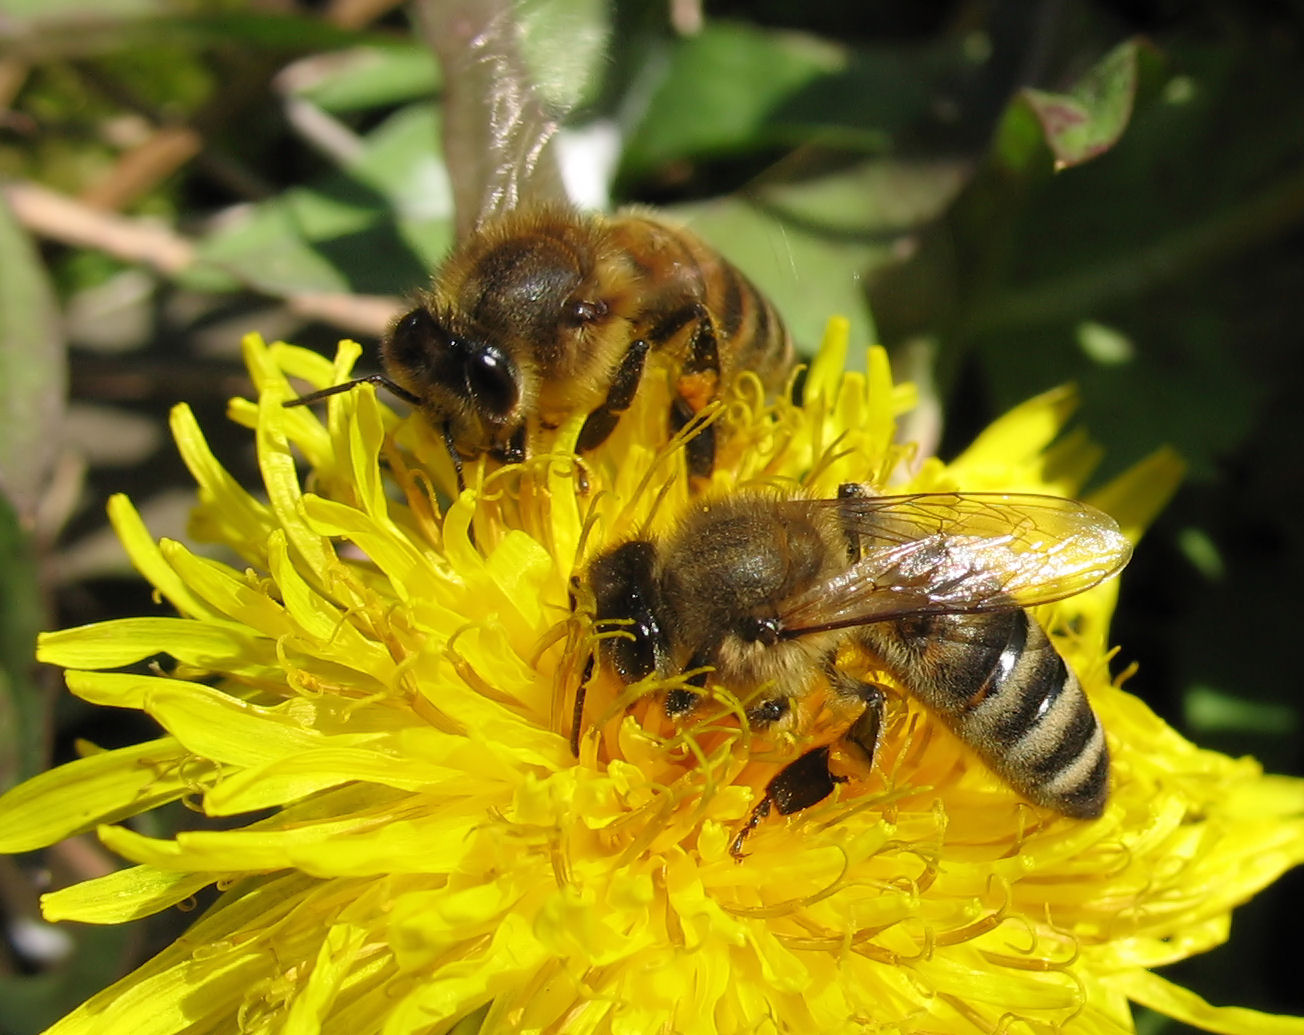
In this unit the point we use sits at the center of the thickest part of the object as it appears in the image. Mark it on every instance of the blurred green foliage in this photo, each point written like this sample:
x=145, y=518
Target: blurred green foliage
x=1024, y=194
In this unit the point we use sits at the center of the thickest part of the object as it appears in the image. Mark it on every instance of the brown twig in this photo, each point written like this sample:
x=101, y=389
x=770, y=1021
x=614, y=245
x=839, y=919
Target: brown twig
x=368, y=315
x=139, y=170
x=13, y=74
x=57, y=216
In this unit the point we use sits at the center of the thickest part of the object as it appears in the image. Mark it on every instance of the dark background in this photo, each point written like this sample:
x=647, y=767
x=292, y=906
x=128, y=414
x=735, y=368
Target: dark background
x=177, y=174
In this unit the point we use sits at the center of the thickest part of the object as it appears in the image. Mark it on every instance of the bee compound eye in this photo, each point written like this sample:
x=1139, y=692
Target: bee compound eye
x=585, y=310
x=413, y=338
x=491, y=379
x=760, y=629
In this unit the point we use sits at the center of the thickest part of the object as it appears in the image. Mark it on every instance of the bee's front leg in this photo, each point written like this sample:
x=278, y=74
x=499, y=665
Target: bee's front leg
x=620, y=396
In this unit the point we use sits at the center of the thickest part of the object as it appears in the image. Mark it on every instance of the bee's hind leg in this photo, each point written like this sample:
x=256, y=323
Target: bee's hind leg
x=808, y=780
x=697, y=385
x=798, y=785
x=864, y=733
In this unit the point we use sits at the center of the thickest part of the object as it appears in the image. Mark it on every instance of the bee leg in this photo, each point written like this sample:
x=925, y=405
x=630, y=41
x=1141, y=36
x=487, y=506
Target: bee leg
x=602, y=421
x=455, y=456
x=697, y=385
x=577, y=716
x=698, y=450
x=581, y=477
x=808, y=780
x=759, y=813
x=798, y=785
x=514, y=451
x=766, y=713
x=680, y=702
x=868, y=727
x=852, y=491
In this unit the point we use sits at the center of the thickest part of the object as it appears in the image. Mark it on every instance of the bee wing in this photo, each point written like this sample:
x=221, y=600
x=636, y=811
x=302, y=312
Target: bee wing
x=498, y=129
x=958, y=553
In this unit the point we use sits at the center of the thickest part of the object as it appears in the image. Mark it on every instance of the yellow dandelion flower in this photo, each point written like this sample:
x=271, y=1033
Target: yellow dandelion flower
x=381, y=699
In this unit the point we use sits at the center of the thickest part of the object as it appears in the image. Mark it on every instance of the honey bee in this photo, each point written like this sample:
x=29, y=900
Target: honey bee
x=542, y=311
x=761, y=594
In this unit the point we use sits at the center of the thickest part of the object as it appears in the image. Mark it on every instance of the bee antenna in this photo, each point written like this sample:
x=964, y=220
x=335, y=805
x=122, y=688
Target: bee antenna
x=370, y=379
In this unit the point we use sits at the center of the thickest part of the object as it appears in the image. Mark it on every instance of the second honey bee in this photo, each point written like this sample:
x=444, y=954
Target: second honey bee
x=761, y=593
x=545, y=312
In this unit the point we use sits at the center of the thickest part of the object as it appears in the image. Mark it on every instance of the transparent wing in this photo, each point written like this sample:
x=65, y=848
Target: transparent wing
x=957, y=553
x=498, y=127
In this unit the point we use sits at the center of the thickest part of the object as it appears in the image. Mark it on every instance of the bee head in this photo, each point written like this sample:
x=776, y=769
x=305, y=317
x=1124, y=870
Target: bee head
x=510, y=313
x=473, y=386
x=628, y=609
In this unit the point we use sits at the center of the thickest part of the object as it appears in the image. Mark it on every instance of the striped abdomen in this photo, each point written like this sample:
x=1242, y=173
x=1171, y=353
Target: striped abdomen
x=1004, y=689
x=680, y=271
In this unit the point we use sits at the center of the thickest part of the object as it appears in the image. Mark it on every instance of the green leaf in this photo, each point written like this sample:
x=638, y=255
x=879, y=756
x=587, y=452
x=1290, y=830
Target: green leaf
x=22, y=12
x=33, y=374
x=24, y=710
x=1040, y=130
x=266, y=248
x=1027, y=263
x=376, y=227
x=721, y=91
x=33, y=379
x=1210, y=710
x=808, y=244
x=367, y=77
x=78, y=28
x=1089, y=119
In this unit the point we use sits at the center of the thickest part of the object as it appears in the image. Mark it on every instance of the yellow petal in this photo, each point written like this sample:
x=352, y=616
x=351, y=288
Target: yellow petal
x=1172, y=1000
x=402, y=563
x=388, y=692
x=226, y=593
x=1136, y=496
x=830, y=362
x=122, y=641
x=128, y=894
x=120, y=689
x=149, y=561
x=284, y=493
x=162, y=998
x=311, y=1008
x=295, y=776
x=1013, y=443
x=108, y=785
x=232, y=514
x=365, y=844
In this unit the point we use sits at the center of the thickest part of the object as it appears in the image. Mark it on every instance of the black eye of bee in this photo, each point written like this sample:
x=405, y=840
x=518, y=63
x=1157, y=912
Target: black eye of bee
x=584, y=310
x=491, y=379
x=413, y=339
x=756, y=629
